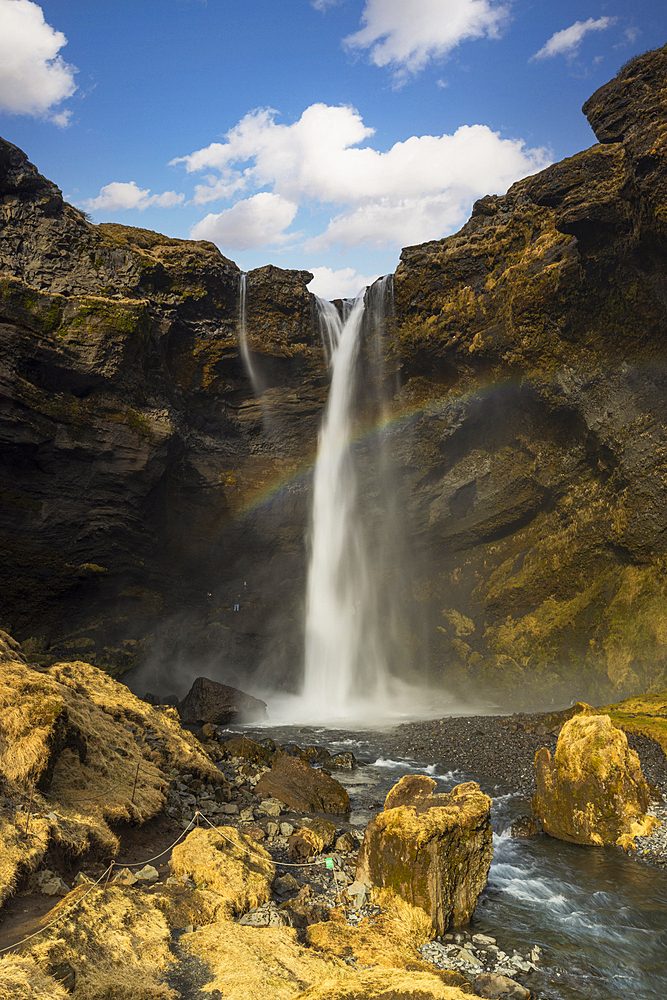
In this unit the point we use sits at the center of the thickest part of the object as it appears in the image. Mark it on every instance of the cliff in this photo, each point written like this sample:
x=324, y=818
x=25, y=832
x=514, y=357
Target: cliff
x=141, y=471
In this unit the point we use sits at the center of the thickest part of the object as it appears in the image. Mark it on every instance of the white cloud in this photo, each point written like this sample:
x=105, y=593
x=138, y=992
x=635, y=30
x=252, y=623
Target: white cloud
x=254, y=222
x=406, y=36
x=33, y=77
x=567, y=42
x=343, y=284
x=121, y=195
x=418, y=189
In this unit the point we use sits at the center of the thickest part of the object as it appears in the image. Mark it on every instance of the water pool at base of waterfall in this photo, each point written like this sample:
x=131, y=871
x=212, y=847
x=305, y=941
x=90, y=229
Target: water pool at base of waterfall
x=599, y=916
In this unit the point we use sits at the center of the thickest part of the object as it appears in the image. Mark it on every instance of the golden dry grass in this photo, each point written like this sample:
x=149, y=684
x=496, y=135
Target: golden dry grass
x=391, y=941
x=22, y=979
x=76, y=737
x=236, y=868
x=258, y=963
x=385, y=984
x=116, y=940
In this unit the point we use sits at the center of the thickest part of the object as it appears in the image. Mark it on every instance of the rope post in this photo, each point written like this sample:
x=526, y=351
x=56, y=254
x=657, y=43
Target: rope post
x=134, y=787
x=109, y=875
x=32, y=791
x=330, y=864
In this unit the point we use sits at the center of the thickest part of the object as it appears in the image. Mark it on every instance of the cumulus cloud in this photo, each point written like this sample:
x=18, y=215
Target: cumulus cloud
x=568, y=41
x=406, y=36
x=418, y=189
x=34, y=79
x=121, y=195
x=343, y=284
x=253, y=222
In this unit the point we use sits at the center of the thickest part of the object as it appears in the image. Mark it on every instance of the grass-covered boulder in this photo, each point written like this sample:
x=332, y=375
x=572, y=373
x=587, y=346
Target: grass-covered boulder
x=593, y=790
x=432, y=850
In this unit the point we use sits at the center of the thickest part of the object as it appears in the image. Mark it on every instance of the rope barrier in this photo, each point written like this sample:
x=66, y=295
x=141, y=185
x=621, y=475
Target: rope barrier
x=282, y=864
x=105, y=874
x=60, y=915
x=140, y=864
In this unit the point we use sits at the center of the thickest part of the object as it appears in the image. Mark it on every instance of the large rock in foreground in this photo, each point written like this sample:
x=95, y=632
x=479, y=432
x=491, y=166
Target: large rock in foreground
x=208, y=701
x=301, y=786
x=593, y=791
x=433, y=850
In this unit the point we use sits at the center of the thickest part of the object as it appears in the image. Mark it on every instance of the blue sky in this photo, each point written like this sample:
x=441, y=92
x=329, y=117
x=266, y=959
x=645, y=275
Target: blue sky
x=319, y=134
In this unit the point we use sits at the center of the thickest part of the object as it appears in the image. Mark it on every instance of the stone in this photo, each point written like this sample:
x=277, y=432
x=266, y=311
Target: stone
x=270, y=807
x=345, y=843
x=81, y=879
x=147, y=874
x=303, y=787
x=209, y=701
x=360, y=892
x=526, y=826
x=304, y=844
x=55, y=887
x=433, y=850
x=324, y=830
x=593, y=791
x=272, y=829
x=243, y=746
x=248, y=815
x=286, y=883
x=267, y=915
x=494, y=987
x=230, y=808
x=344, y=761
x=286, y=829
x=125, y=877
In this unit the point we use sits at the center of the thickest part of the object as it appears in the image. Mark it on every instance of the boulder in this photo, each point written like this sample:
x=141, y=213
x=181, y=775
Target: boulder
x=301, y=786
x=208, y=701
x=434, y=850
x=593, y=790
x=495, y=987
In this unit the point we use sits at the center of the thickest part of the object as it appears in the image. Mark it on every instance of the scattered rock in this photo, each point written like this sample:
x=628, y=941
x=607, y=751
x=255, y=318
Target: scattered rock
x=267, y=915
x=301, y=786
x=345, y=843
x=433, y=850
x=208, y=701
x=55, y=887
x=147, y=874
x=493, y=987
x=526, y=826
x=593, y=791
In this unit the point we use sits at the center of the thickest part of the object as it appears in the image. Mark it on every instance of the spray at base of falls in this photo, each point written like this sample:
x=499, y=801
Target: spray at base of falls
x=350, y=608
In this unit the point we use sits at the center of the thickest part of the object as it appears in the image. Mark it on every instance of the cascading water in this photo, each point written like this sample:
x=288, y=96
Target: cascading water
x=346, y=665
x=243, y=335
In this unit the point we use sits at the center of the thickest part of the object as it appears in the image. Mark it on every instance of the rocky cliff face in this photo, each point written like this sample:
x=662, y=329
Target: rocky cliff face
x=141, y=471
x=133, y=448
x=533, y=349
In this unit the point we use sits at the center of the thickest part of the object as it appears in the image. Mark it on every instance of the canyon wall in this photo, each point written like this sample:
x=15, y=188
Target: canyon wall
x=140, y=472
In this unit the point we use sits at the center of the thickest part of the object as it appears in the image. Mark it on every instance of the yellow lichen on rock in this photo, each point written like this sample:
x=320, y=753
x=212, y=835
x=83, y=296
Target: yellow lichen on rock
x=432, y=850
x=228, y=863
x=593, y=791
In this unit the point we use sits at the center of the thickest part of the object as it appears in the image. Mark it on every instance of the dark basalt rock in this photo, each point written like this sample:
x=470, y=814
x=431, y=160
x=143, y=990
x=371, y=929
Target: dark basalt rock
x=208, y=701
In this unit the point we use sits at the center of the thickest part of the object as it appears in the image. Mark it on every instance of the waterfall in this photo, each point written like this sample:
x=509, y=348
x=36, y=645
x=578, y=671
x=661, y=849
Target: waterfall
x=243, y=336
x=345, y=659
